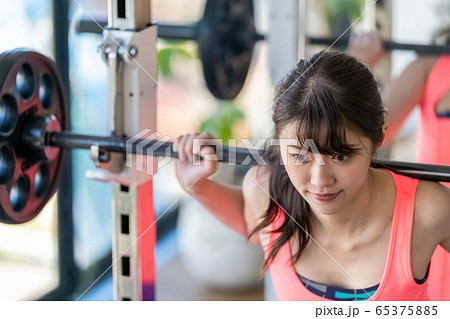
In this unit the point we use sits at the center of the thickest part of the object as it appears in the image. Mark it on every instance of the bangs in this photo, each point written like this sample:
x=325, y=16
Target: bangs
x=322, y=121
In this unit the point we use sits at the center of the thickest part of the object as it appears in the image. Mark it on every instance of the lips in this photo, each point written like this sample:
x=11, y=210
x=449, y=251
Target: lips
x=325, y=197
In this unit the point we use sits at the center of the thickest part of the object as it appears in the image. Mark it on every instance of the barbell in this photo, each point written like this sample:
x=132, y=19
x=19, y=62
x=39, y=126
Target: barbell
x=388, y=45
x=226, y=36
x=35, y=137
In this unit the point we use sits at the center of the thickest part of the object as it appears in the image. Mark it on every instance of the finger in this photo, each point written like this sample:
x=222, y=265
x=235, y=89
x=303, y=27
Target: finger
x=200, y=140
x=181, y=153
x=175, y=143
x=205, y=139
x=197, y=142
x=210, y=159
x=188, y=147
x=205, y=134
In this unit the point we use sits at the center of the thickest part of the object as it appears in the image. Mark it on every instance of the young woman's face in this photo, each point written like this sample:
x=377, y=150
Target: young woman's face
x=328, y=183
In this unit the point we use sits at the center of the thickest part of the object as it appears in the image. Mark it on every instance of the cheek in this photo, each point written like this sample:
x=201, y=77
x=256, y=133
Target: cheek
x=295, y=172
x=352, y=178
x=297, y=176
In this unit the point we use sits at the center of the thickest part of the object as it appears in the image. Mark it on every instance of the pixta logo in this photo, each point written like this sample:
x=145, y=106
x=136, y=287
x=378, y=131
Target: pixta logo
x=140, y=151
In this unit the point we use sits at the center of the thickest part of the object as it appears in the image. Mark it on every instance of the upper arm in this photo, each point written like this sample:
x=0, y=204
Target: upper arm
x=255, y=188
x=433, y=209
x=405, y=92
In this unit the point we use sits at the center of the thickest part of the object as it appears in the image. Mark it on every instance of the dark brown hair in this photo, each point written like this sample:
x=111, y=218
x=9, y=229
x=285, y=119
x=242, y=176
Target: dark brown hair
x=323, y=96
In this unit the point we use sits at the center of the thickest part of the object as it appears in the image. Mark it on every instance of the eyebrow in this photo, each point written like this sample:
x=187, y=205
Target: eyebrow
x=300, y=147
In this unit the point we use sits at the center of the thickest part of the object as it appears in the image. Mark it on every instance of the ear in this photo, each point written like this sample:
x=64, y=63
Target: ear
x=385, y=128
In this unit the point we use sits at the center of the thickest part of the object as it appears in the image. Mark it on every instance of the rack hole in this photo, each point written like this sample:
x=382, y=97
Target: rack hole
x=25, y=81
x=46, y=91
x=41, y=180
x=121, y=9
x=126, y=270
x=7, y=165
x=19, y=193
x=125, y=224
x=9, y=114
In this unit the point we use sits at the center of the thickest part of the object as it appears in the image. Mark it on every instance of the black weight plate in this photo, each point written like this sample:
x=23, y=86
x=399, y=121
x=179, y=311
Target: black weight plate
x=226, y=38
x=30, y=86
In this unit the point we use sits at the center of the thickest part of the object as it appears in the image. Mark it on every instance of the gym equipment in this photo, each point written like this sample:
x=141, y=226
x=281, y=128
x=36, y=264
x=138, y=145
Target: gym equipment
x=129, y=52
x=33, y=100
x=34, y=137
x=226, y=36
x=388, y=45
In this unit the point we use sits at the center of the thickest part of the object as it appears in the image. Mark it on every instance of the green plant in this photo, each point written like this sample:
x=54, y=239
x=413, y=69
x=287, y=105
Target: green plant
x=171, y=49
x=341, y=13
x=221, y=123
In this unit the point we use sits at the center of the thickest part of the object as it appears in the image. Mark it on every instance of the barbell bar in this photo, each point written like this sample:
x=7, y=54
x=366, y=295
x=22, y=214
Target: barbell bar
x=226, y=154
x=41, y=135
x=226, y=36
x=35, y=137
x=388, y=45
x=190, y=32
x=38, y=140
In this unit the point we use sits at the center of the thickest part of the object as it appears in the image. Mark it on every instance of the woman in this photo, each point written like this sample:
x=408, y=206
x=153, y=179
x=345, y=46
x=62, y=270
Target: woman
x=424, y=82
x=332, y=227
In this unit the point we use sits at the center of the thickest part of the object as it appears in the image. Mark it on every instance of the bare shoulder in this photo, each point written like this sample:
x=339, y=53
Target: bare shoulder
x=256, y=186
x=255, y=189
x=432, y=210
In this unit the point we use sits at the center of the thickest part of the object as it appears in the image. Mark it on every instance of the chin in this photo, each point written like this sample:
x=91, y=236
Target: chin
x=324, y=211
x=324, y=208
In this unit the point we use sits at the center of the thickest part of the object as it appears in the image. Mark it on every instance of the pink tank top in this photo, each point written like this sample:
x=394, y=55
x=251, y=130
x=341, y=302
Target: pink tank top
x=433, y=133
x=397, y=282
x=432, y=147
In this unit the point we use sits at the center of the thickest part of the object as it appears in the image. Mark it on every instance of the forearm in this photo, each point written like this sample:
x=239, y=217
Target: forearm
x=403, y=94
x=225, y=202
x=395, y=121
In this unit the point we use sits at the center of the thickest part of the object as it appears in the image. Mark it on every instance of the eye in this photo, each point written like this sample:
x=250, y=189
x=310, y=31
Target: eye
x=340, y=157
x=300, y=158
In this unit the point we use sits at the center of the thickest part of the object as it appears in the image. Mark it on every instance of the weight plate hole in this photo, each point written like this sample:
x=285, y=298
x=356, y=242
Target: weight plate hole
x=7, y=165
x=19, y=193
x=25, y=81
x=46, y=91
x=41, y=180
x=8, y=114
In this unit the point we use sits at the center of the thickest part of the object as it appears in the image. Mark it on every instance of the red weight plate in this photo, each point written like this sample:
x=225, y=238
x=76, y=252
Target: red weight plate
x=31, y=91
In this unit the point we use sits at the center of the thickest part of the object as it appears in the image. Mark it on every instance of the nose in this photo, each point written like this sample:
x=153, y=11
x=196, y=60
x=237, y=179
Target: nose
x=322, y=176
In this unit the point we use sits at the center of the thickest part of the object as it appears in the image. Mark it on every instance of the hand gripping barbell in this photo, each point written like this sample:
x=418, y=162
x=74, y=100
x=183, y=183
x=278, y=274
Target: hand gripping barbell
x=226, y=35
x=35, y=137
